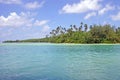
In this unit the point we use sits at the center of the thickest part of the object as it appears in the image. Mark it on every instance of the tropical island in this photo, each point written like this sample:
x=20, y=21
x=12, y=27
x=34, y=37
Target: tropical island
x=82, y=34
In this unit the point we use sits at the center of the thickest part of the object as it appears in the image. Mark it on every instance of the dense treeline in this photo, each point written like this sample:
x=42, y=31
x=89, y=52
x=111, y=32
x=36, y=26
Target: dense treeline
x=82, y=34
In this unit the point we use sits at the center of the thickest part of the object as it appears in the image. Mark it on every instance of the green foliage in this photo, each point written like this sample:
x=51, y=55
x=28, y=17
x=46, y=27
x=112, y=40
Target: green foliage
x=96, y=34
x=74, y=34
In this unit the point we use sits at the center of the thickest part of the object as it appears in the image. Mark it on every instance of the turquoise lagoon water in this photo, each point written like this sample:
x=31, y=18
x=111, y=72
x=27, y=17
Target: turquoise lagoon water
x=39, y=61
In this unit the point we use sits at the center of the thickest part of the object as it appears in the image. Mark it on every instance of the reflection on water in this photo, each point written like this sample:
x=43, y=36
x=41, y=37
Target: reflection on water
x=59, y=62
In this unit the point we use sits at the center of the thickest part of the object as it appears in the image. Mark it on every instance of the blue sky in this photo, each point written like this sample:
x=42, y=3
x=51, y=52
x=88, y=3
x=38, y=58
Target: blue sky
x=25, y=19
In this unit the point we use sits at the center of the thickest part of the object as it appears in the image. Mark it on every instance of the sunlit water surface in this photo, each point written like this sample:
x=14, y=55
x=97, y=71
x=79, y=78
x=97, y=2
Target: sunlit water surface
x=40, y=61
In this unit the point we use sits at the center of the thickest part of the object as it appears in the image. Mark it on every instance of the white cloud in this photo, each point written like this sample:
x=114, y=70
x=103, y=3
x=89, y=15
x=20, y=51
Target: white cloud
x=82, y=6
x=105, y=9
x=39, y=23
x=11, y=1
x=22, y=22
x=19, y=20
x=116, y=17
x=43, y=23
x=28, y=5
x=90, y=15
x=15, y=20
x=34, y=5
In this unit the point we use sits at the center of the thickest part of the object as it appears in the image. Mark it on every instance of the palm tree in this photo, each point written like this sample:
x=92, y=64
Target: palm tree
x=50, y=33
x=91, y=27
x=64, y=29
x=71, y=25
x=118, y=30
x=81, y=24
x=86, y=27
x=74, y=26
x=69, y=30
x=57, y=30
x=53, y=33
x=62, y=32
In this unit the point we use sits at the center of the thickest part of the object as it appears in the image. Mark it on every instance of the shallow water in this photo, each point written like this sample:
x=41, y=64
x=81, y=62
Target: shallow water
x=41, y=61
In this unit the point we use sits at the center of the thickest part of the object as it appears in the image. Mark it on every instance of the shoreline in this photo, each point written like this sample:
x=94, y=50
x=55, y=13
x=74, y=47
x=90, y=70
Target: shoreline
x=36, y=43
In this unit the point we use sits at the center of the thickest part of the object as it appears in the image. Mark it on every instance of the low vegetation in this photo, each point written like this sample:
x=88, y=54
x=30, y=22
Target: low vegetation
x=82, y=34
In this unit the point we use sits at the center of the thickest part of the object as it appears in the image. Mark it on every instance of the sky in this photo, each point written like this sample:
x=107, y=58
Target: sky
x=26, y=19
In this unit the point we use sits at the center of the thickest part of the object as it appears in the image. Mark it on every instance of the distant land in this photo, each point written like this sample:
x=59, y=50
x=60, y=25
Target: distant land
x=82, y=34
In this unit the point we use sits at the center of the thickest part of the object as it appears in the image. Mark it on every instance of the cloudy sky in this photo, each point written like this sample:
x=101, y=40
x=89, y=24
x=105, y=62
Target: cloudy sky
x=24, y=19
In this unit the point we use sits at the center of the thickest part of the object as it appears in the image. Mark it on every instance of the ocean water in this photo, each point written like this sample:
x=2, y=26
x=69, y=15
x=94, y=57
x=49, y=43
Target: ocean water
x=45, y=61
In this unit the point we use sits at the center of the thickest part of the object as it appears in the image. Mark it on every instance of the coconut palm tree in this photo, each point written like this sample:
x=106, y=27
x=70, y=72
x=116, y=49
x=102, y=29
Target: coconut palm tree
x=86, y=27
x=81, y=24
x=91, y=27
x=74, y=26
